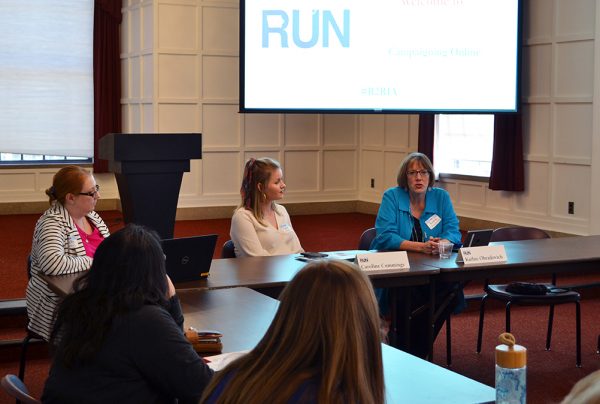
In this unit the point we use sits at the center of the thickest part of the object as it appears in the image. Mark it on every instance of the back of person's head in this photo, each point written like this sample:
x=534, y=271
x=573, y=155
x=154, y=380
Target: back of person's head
x=325, y=333
x=423, y=160
x=68, y=180
x=585, y=391
x=128, y=271
x=257, y=173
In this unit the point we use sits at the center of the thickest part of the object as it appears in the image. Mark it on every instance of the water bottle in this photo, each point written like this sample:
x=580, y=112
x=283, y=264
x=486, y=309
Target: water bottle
x=511, y=368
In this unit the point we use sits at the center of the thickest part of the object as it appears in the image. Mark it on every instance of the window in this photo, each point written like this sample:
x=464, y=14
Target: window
x=463, y=144
x=46, y=82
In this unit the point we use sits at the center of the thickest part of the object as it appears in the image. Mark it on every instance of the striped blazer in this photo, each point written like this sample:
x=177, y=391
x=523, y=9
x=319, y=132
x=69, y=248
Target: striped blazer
x=56, y=249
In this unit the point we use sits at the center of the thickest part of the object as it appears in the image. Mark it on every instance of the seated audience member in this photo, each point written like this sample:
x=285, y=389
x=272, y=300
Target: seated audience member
x=322, y=346
x=415, y=216
x=260, y=226
x=64, y=241
x=585, y=391
x=118, y=337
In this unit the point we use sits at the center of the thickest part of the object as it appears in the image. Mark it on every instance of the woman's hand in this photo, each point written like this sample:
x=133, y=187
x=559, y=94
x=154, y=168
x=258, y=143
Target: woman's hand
x=170, y=288
x=431, y=246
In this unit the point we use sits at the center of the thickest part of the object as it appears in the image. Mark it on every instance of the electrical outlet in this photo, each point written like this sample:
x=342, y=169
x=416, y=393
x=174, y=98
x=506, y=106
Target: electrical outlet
x=571, y=208
x=372, y=182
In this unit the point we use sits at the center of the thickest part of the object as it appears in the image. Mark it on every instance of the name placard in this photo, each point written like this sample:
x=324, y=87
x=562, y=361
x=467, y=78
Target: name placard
x=383, y=261
x=489, y=254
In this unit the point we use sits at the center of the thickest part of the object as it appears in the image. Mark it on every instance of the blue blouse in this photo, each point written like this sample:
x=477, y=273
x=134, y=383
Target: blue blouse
x=394, y=222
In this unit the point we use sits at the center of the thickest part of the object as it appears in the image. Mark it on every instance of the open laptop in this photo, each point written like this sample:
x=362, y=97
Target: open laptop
x=478, y=238
x=189, y=258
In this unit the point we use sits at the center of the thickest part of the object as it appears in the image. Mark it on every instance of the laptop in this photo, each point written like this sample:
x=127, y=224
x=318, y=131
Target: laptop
x=189, y=258
x=478, y=238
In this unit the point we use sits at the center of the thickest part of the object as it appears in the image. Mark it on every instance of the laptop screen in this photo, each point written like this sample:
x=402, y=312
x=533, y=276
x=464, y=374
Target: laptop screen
x=189, y=258
x=478, y=238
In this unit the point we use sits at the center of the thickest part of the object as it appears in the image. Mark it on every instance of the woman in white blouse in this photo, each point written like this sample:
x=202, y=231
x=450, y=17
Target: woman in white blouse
x=260, y=226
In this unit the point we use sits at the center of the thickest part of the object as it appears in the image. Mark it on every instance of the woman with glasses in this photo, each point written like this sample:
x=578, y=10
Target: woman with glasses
x=64, y=241
x=415, y=216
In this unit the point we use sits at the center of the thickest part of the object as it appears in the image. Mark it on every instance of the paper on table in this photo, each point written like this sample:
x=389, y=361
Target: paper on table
x=218, y=362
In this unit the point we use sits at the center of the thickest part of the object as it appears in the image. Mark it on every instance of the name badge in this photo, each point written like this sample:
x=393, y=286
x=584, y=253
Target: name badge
x=72, y=242
x=433, y=221
x=285, y=227
x=383, y=261
x=489, y=254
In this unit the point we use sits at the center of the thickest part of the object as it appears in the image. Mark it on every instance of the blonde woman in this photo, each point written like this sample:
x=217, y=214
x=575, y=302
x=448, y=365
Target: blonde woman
x=260, y=226
x=322, y=346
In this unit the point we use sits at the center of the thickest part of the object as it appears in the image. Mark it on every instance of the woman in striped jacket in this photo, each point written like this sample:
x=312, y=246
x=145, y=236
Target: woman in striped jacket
x=64, y=241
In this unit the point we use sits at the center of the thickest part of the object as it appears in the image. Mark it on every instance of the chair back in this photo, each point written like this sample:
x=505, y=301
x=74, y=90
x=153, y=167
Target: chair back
x=228, y=250
x=17, y=389
x=364, y=243
x=518, y=233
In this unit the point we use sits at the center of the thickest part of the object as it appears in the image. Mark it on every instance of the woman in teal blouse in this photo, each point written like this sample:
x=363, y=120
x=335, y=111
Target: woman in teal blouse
x=415, y=216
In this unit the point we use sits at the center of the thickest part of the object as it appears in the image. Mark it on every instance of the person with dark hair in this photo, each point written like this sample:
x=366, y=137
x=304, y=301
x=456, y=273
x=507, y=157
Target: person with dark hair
x=260, y=226
x=416, y=216
x=324, y=345
x=118, y=337
x=64, y=241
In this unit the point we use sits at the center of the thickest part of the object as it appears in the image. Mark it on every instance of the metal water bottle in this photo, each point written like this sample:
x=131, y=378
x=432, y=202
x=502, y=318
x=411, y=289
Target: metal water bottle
x=511, y=369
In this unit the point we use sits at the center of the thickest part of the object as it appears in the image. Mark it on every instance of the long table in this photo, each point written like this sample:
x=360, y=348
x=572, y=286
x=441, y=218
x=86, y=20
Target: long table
x=243, y=316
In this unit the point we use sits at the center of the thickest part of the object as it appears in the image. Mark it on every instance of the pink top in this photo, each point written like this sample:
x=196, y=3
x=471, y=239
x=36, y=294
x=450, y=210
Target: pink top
x=90, y=241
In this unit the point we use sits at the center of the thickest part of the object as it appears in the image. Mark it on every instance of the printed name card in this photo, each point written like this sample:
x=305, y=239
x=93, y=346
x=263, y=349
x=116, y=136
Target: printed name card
x=383, y=261
x=489, y=254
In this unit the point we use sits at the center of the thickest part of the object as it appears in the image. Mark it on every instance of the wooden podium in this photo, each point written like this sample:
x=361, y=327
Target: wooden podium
x=149, y=168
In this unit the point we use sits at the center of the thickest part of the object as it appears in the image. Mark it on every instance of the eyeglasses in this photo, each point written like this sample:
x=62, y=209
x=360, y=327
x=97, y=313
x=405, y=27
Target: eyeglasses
x=93, y=193
x=424, y=173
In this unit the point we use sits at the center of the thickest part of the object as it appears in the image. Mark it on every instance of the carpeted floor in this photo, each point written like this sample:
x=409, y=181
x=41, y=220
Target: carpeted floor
x=550, y=374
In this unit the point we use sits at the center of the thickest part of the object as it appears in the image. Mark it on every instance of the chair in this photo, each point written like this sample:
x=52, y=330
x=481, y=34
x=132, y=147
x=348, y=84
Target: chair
x=366, y=238
x=228, y=250
x=17, y=389
x=499, y=292
x=30, y=335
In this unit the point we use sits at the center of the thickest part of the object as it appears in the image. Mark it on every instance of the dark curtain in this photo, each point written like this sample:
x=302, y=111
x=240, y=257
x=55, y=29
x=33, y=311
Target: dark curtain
x=107, y=74
x=507, y=161
x=426, y=131
x=507, y=172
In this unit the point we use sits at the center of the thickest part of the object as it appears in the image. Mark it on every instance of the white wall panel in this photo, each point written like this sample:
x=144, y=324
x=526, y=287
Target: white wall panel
x=147, y=76
x=500, y=200
x=302, y=170
x=536, y=130
x=147, y=28
x=534, y=200
x=135, y=116
x=177, y=76
x=340, y=130
x=177, y=27
x=147, y=118
x=220, y=125
x=125, y=79
x=573, y=136
x=371, y=168
x=220, y=173
x=136, y=74
x=136, y=30
x=220, y=77
x=575, y=17
x=571, y=180
x=397, y=131
x=391, y=166
x=538, y=19
x=471, y=194
x=177, y=118
x=220, y=29
x=575, y=68
x=261, y=130
x=301, y=129
x=339, y=170
x=374, y=126
x=537, y=69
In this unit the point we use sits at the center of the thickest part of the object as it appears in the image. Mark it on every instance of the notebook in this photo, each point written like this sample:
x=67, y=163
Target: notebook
x=189, y=258
x=478, y=238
